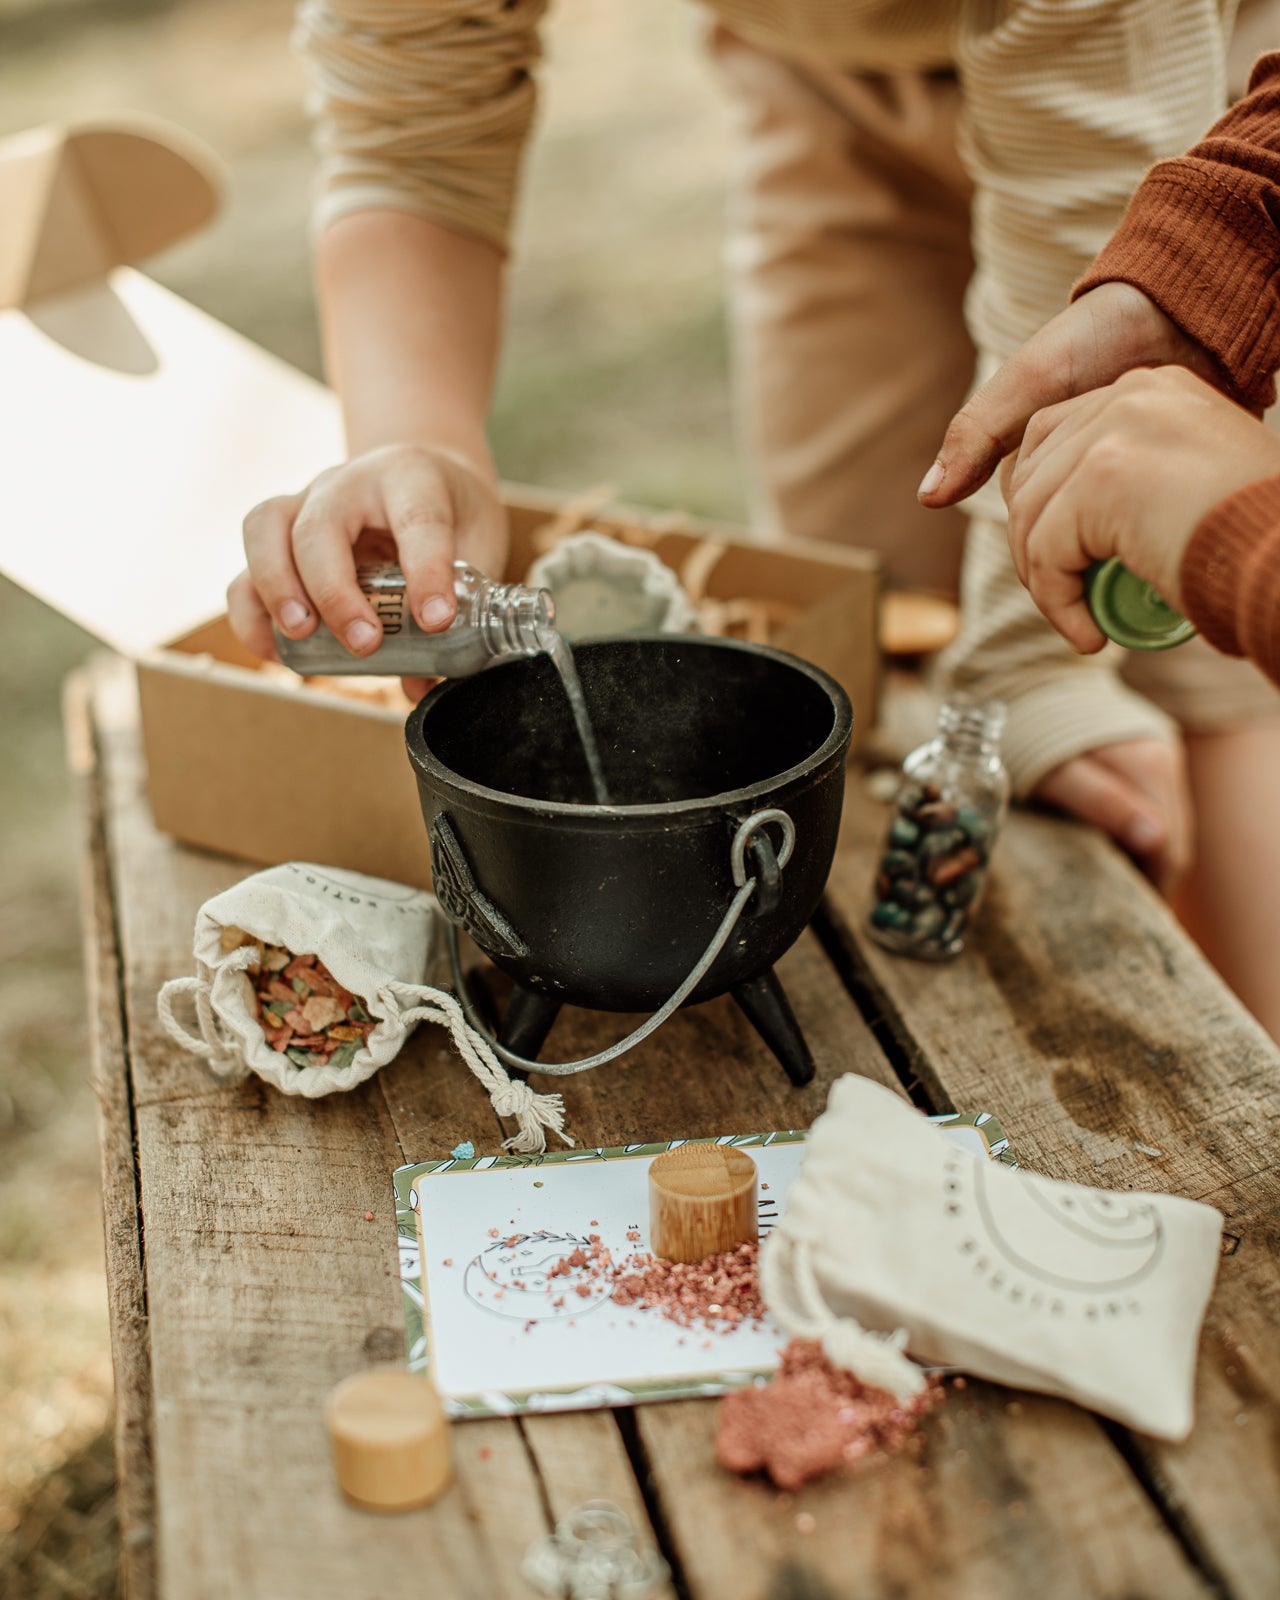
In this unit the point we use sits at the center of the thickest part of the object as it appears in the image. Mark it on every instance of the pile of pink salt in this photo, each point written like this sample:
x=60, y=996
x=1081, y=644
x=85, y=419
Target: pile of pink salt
x=812, y=1418
x=719, y=1293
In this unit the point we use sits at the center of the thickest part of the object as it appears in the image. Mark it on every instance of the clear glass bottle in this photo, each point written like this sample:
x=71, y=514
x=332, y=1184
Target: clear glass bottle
x=494, y=622
x=947, y=812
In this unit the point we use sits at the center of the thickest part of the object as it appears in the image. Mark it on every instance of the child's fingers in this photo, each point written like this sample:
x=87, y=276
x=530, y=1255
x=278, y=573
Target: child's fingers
x=420, y=511
x=1067, y=537
x=1056, y=369
x=1053, y=442
x=1157, y=770
x=1057, y=444
x=415, y=688
x=1059, y=593
x=1110, y=800
x=991, y=422
x=250, y=620
x=268, y=531
x=337, y=509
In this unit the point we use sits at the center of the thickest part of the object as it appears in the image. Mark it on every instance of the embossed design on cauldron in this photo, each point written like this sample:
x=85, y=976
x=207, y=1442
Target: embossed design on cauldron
x=461, y=898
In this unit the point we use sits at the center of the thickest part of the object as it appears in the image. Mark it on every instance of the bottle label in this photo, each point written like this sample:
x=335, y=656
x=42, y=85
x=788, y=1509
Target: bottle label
x=383, y=587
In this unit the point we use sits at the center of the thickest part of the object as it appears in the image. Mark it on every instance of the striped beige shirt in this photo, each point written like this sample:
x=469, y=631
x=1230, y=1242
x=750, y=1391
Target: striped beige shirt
x=426, y=107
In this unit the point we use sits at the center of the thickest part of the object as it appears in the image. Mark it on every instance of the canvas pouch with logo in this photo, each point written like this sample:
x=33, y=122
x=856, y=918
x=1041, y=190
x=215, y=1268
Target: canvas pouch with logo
x=896, y=1244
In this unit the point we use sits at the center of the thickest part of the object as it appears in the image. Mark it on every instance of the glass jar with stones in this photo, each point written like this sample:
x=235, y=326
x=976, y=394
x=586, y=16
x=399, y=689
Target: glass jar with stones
x=946, y=814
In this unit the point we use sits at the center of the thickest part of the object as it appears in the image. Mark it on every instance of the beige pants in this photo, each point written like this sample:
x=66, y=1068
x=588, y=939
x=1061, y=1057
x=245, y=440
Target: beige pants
x=849, y=259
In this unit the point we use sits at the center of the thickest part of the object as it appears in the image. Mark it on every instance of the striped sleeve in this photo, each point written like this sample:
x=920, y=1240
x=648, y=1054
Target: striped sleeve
x=1067, y=103
x=421, y=107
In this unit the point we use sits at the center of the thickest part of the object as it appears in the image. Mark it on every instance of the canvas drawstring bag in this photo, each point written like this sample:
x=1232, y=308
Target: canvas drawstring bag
x=895, y=1244
x=380, y=941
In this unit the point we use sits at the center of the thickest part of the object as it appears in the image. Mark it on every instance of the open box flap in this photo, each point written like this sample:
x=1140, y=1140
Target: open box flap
x=76, y=201
x=135, y=432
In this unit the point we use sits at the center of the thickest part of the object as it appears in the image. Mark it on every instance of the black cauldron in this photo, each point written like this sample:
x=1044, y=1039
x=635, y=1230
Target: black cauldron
x=612, y=906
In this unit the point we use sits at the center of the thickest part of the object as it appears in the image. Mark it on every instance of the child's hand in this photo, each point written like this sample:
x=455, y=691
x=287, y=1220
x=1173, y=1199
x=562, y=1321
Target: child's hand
x=421, y=508
x=1125, y=471
x=1137, y=791
x=1111, y=330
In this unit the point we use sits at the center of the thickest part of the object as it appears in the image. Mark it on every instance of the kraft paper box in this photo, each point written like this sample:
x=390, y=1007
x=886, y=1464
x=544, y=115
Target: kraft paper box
x=137, y=431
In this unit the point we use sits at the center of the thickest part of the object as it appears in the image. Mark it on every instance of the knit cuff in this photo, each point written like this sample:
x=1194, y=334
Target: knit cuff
x=331, y=204
x=1201, y=254
x=1230, y=574
x=1069, y=715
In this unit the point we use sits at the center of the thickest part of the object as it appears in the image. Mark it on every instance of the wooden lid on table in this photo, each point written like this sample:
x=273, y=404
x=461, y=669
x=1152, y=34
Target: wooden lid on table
x=702, y=1201
x=913, y=623
x=390, y=1440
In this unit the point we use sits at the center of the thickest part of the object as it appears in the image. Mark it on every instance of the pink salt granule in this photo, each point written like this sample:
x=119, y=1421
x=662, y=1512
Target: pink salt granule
x=814, y=1417
x=718, y=1293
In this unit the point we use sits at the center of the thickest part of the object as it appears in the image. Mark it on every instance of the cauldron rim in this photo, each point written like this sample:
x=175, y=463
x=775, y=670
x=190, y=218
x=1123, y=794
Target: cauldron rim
x=841, y=731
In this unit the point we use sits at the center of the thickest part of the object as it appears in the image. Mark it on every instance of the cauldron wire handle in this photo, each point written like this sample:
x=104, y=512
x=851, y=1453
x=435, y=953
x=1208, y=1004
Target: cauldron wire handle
x=769, y=863
x=745, y=889
x=753, y=824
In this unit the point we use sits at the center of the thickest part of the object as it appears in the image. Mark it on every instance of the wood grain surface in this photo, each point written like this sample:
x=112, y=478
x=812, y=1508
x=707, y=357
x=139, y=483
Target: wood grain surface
x=246, y=1280
x=1087, y=1021
x=121, y=1213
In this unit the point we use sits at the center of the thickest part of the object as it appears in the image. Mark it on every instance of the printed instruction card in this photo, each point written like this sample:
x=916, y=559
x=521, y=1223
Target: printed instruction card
x=504, y=1320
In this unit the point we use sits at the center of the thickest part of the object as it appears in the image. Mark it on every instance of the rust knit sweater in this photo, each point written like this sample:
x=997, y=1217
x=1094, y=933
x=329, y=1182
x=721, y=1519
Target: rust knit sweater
x=1201, y=238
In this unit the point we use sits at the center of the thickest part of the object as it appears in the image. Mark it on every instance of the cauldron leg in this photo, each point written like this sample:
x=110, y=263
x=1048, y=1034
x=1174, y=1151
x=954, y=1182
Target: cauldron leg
x=765, y=1004
x=527, y=1022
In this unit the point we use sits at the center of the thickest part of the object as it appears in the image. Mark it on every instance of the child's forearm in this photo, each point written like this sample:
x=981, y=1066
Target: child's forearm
x=411, y=318
x=410, y=314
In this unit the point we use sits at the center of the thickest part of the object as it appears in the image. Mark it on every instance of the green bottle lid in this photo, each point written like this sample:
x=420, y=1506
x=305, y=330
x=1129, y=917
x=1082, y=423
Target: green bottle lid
x=1129, y=610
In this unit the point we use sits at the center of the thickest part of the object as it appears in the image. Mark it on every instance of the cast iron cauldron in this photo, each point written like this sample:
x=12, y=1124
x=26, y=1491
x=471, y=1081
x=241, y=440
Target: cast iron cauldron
x=612, y=906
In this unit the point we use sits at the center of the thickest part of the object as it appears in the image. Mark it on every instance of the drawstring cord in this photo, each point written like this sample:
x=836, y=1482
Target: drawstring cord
x=796, y=1300
x=212, y=1043
x=509, y=1097
x=534, y=1113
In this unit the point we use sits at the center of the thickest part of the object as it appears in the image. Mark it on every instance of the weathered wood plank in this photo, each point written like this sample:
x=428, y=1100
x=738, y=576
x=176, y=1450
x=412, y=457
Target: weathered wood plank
x=434, y=1102
x=983, y=1512
x=705, y=1072
x=996, y=1505
x=126, y=1287
x=1088, y=1022
x=266, y=1285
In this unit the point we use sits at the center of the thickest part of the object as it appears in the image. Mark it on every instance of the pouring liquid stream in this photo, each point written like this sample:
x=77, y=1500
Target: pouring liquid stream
x=494, y=622
x=562, y=661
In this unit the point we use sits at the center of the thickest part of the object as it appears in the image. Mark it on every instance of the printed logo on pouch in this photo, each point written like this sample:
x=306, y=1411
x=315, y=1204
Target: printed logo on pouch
x=1052, y=1247
x=354, y=889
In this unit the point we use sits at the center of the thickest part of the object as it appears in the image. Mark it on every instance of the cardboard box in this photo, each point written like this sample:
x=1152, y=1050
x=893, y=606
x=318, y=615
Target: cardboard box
x=138, y=431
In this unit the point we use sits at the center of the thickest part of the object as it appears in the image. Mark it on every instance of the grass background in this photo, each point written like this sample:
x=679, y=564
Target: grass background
x=615, y=372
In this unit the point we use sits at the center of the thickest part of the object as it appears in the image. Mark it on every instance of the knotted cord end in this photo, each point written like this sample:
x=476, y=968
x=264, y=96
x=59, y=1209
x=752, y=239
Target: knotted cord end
x=876, y=1359
x=533, y=1112
x=510, y=1097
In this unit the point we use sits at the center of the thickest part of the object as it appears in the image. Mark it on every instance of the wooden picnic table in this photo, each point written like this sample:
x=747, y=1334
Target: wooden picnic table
x=245, y=1279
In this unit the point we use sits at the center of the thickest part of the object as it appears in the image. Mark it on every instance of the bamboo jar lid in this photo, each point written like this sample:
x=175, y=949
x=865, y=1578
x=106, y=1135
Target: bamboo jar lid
x=702, y=1201
x=390, y=1440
